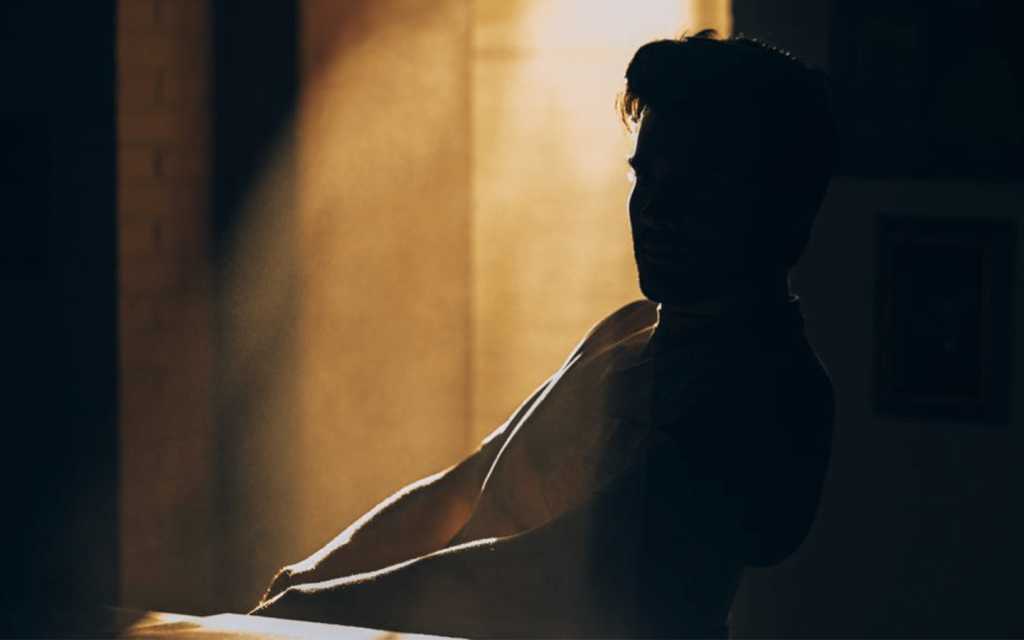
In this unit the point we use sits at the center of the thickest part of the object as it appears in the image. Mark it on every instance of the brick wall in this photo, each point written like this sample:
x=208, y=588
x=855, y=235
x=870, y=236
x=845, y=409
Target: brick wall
x=164, y=119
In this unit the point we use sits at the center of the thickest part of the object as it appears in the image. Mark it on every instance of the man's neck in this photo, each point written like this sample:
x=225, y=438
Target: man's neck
x=734, y=299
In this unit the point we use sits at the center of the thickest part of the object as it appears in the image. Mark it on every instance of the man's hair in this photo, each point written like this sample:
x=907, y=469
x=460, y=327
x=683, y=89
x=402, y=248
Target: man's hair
x=787, y=103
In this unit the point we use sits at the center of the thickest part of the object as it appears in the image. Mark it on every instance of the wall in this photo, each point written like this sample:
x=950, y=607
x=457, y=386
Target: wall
x=166, y=428
x=551, y=252
x=918, y=525
x=297, y=353
x=381, y=378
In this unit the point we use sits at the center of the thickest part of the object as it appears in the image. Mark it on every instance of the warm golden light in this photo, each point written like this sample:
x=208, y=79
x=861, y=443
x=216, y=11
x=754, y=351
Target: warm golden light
x=551, y=249
x=383, y=236
x=461, y=222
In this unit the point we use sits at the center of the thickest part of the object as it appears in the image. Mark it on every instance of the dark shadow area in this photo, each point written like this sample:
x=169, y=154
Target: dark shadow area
x=59, y=461
x=910, y=301
x=255, y=84
x=930, y=90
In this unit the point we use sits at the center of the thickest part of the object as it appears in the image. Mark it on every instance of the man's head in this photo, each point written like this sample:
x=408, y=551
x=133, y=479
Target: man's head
x=735, y=146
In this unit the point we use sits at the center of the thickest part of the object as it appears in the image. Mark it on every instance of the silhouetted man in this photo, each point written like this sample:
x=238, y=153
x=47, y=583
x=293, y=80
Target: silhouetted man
x=686, y=437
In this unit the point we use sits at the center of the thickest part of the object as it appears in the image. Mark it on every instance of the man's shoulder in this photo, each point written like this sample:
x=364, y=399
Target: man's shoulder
x=632, y=318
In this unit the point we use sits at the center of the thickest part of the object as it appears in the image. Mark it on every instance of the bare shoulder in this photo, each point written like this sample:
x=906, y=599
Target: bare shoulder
x=638, y=315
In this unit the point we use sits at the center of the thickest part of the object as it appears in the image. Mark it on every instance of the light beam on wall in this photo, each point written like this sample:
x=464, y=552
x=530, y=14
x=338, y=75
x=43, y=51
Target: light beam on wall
x=550, y=245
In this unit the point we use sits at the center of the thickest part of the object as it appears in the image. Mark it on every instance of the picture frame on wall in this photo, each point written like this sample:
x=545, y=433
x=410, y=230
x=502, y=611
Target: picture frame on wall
x=945, y=304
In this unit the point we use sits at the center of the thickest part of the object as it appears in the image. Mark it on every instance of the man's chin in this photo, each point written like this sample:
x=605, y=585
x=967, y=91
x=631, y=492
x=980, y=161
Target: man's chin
x=675, y=290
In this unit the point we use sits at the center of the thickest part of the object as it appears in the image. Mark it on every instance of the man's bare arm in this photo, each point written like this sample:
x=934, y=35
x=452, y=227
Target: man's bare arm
x=574, y=575
x=421, y=518
x=622, y=563
x=417, y=520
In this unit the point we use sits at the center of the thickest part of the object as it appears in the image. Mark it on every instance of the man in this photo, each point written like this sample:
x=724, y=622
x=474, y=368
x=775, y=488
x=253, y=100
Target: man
x=685, y=437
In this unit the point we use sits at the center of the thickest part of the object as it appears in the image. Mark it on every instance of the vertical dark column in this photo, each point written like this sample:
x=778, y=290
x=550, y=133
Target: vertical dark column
x=58, y=331
x=255, y=83
x=255, y=86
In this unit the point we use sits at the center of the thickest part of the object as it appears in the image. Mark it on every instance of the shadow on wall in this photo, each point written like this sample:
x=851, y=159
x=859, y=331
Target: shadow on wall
x=258, y=291
x=342, y=270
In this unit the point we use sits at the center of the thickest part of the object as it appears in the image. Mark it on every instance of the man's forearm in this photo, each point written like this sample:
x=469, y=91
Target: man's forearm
x=562, y=577
x=481, y=589
x=417, y=520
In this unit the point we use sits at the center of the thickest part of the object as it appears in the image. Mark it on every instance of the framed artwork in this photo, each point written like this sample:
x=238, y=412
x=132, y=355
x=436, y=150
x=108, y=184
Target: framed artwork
x=945, y=304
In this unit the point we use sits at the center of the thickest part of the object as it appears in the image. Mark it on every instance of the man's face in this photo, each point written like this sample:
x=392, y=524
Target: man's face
x=690, y=208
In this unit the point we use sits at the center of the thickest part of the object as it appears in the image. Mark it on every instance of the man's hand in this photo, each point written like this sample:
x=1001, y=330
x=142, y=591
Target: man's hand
x=284, y=579
x=437, y=593
x=286, y=604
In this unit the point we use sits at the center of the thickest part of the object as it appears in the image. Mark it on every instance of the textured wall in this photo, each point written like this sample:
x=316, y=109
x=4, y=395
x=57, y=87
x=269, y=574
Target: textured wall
x=384, y=233
x=166, y=427
x=551, y=248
